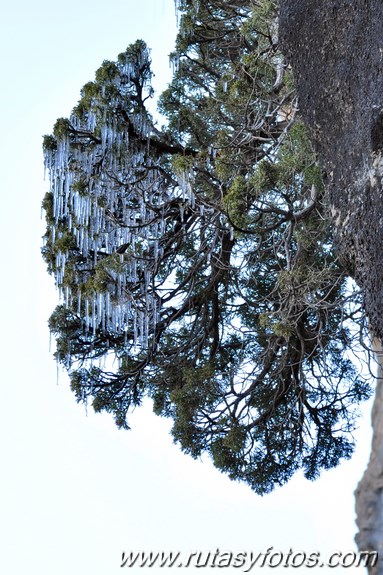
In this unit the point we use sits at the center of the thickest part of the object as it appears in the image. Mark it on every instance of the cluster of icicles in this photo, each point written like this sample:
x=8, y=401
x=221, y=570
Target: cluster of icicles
x=118, y=207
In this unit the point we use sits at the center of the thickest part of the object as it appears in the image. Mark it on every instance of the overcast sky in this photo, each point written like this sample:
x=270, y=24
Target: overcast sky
x=75, y=491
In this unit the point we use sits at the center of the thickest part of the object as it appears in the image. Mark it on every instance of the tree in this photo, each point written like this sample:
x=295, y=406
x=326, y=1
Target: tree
x=200, y=256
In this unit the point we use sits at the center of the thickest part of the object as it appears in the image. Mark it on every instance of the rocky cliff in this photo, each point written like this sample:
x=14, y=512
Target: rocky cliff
x=335, y=48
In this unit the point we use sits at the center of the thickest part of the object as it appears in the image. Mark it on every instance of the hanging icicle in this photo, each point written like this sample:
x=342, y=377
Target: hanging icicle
x=110, y=203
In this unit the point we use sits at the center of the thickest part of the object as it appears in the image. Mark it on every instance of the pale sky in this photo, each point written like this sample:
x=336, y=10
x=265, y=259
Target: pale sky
x=75, y=491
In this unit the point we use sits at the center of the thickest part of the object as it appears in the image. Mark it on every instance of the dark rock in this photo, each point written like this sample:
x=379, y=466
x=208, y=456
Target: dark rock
x=335, y=48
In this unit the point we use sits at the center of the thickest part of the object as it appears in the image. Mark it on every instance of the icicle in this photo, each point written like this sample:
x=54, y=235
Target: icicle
x=135, y=335
x=154, y=316
x=107, y=307
x=155, y=250
x=57, y=371
x=100, y=308
x=78, y=302
x=175, y=64
x=87, y=319
x=103, y=317
x=141, y=329
x=146, y=337
x=94, y=318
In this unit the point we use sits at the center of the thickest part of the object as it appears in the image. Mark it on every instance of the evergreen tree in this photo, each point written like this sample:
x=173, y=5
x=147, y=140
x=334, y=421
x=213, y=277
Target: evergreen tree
x=200, y=255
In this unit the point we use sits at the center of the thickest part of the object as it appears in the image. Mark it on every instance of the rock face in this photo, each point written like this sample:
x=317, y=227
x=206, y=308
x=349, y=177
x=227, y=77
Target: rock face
x=335, y=48
x=369, y=493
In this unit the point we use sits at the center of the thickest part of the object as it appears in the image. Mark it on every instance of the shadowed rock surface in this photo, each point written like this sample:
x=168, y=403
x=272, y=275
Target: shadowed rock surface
x=335, y=48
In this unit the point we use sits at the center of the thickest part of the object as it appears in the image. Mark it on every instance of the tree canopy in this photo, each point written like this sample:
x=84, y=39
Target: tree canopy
x=195, y=262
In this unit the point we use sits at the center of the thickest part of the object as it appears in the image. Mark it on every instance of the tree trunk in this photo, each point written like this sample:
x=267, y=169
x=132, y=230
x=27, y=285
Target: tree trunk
x=335, y=48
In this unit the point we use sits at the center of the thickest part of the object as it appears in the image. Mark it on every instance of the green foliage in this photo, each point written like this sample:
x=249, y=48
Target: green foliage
x=61, y=129
x=49, y=143
x=233, y=201
x=201, y=257
x=181, y=164
x=47, y=205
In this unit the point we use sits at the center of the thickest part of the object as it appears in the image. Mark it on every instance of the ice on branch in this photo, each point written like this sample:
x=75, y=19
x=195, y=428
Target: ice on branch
x=108, y=199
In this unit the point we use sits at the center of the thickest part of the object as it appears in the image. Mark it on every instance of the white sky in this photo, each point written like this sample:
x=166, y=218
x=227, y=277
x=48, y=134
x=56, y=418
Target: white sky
x=75, y=492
